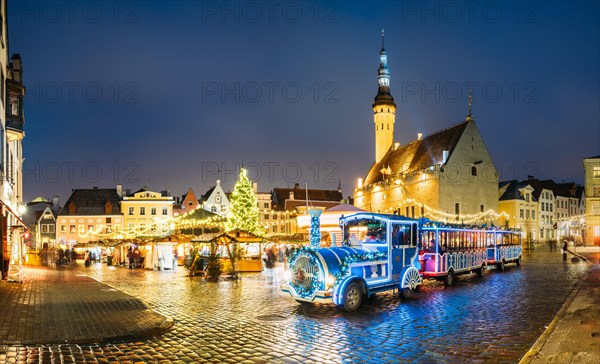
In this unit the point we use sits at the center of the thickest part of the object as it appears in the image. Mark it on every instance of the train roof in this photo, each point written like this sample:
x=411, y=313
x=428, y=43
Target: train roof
x=423, y=222
x=376, y=216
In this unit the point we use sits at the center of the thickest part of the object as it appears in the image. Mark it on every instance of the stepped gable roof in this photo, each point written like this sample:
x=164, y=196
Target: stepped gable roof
x=418, y=154
x=92, y=201
x=512, y=191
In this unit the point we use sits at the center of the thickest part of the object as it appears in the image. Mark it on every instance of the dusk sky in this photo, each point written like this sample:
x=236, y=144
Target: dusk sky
x=168, y=93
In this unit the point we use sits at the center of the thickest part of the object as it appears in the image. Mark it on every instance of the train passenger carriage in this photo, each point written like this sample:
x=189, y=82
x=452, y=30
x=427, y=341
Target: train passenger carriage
x=450, y=251
x=504, y=247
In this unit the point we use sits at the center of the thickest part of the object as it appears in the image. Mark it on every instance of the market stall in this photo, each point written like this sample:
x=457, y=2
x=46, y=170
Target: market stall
x=248, y=246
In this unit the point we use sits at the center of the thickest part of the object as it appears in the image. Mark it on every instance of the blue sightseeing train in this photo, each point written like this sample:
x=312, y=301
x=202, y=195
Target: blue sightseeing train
x=386, y=252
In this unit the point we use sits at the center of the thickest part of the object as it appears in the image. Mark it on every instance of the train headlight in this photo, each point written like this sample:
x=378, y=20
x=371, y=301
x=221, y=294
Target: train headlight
x=330, y=281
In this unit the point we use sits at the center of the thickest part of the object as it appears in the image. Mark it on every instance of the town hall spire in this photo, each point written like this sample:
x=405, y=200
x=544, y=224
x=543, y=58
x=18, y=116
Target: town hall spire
x=384, y=107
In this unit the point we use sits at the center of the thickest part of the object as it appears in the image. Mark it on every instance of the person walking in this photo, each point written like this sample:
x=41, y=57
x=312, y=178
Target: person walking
x=130, y=257
x=565, y=245
x=269, y=260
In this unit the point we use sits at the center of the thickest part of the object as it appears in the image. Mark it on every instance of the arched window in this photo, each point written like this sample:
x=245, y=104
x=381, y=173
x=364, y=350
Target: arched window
x=474, y=171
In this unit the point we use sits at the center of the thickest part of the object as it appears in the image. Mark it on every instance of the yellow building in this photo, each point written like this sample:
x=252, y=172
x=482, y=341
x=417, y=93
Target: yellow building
x=146, y=213
x=519, y=208
x=447, y=176
x=89, y=215
x=591, y=170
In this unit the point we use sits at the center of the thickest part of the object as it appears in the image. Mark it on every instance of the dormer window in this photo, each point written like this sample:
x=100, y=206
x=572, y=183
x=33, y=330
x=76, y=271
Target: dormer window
x=72, y=208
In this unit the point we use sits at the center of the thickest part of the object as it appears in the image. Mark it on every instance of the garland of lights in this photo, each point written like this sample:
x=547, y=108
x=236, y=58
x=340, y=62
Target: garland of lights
x=315, y=231
x=311, y=253
x=357, y=258
x=467, y=227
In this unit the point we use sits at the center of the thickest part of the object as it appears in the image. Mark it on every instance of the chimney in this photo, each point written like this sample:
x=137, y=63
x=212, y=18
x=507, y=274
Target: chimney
x=297, y=186
x=396, y=145
x=291, y=195
x=419, y=136
x=55, y=205
x=255, y=187
x=128, y=192
x=359, y=183
x=120, y=191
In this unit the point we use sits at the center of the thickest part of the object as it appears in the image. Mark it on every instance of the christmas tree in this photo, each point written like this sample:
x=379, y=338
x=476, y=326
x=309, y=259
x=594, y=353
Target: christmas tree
x=243, y=211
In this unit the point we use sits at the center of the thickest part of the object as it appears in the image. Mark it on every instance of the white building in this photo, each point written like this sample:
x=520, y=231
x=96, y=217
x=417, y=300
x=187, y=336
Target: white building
x=215, y=200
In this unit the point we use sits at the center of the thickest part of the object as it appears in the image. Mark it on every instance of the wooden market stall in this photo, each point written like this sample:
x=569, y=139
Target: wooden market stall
x=248, y=245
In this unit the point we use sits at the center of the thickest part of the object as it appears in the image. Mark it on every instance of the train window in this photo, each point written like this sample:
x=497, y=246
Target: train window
x=403, y=235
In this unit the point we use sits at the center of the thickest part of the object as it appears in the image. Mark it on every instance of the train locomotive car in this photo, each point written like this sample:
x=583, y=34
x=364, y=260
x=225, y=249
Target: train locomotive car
x=381, y=255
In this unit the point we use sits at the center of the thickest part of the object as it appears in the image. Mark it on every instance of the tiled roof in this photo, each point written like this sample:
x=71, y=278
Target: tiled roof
x=512, y=191
x=207, y=194
x=418, y=154
x=556, y=188
x=92, y=201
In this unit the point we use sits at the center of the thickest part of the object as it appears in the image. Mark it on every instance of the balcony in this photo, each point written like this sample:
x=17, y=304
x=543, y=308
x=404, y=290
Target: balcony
x=14, y=122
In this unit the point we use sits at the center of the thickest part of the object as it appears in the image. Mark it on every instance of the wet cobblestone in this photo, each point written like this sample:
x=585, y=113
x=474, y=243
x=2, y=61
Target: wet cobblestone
x=491, y=319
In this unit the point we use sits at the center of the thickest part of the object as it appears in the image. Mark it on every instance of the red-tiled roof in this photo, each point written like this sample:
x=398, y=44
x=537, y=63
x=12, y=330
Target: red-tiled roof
x=418, y=154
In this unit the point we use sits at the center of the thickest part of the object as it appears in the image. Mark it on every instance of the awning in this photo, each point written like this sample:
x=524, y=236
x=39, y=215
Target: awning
x=15, y=215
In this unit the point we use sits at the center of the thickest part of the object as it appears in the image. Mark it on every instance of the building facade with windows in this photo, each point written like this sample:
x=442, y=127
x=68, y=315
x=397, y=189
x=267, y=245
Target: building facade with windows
x=146, y=213
x=591, y=170
x=288, y=203
x=518, y=208
x=12, y=93
x=89, y=215
x=447, y=175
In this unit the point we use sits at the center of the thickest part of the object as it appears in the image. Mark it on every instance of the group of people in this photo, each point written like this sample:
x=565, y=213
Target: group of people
x=133, y=257
x=60, y=256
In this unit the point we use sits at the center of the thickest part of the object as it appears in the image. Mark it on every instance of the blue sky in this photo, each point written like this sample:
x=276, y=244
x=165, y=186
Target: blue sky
x=168, y=93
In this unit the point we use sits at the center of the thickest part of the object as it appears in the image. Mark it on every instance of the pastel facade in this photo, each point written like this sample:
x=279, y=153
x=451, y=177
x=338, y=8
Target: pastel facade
x=146, y=213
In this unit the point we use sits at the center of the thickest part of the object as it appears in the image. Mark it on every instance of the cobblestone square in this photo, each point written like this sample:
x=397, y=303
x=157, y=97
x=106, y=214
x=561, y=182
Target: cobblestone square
x=496, y=318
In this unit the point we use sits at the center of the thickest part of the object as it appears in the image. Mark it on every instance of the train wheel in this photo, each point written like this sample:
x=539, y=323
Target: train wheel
x=450, y=279
x=518, y=261
x=500, y=266
x=352, y=297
